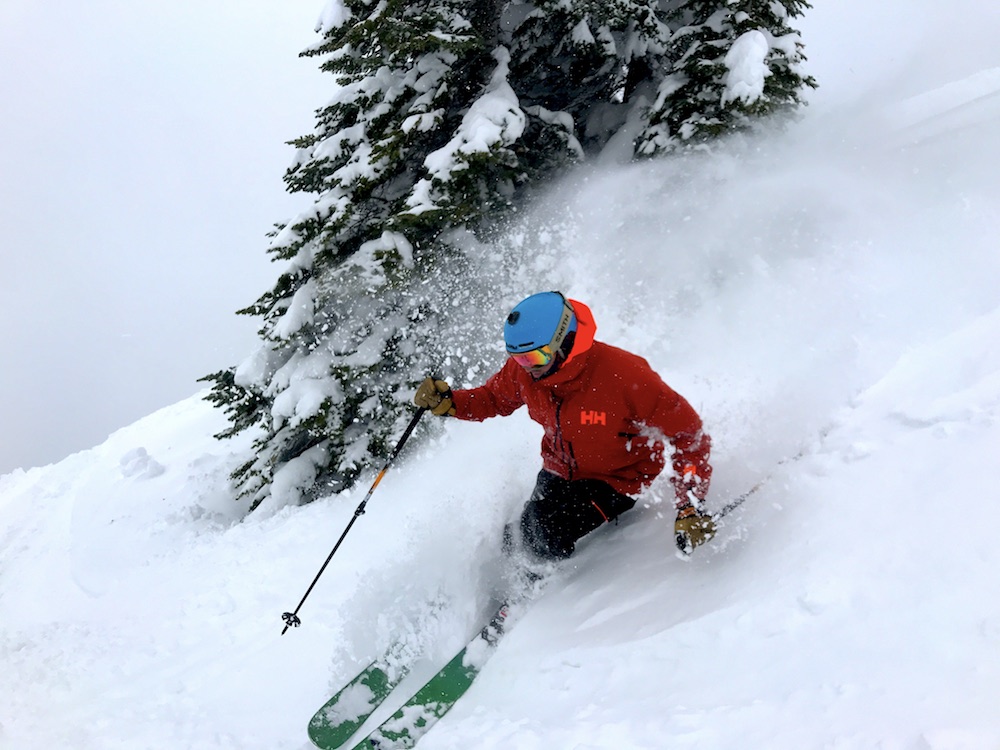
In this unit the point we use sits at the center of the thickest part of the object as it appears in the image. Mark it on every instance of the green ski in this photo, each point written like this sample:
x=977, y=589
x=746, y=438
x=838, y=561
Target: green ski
x=342, y=715
x=439, y=694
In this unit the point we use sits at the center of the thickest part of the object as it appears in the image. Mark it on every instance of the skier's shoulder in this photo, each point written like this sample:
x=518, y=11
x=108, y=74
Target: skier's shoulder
x=617, y=367
x=608, y=354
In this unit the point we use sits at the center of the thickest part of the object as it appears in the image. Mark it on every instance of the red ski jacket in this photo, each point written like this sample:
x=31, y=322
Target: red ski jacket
x=607, y=414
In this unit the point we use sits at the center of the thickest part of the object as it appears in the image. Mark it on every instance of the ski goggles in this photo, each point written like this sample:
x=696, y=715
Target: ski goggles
x=535, y=358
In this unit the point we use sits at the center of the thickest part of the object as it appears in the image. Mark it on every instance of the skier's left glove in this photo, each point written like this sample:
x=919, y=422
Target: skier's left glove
x=692, y=528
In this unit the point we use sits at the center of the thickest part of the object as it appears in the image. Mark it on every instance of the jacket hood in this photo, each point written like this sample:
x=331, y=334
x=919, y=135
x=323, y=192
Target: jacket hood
x=586, y=329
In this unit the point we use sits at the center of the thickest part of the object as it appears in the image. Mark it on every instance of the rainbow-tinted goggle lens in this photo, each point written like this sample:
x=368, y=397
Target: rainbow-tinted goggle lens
x=535, y=358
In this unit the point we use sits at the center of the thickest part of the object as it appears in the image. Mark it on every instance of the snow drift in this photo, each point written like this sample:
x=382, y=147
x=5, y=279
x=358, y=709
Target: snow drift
x=829, y=298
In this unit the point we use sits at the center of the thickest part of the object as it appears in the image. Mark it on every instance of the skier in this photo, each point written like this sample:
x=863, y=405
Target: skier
x=607, y=417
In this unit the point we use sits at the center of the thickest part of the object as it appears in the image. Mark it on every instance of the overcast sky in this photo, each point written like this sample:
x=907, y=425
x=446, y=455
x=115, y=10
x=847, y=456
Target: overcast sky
x=142, y=147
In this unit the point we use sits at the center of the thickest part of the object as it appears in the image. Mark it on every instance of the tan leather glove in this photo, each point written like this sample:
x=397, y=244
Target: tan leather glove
x=435, y=395
x=692, y=528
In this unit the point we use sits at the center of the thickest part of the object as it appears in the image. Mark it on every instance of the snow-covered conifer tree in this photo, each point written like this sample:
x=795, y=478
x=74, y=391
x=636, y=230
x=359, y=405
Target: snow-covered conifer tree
x=444, y=112
x=587, y=62
x=420, y=143
x=732, y=63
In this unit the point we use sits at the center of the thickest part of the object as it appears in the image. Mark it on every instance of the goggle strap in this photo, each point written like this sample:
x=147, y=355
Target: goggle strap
x=562, y=330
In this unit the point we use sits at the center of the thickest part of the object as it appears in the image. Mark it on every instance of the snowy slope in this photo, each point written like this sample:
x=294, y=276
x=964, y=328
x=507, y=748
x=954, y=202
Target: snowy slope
x=828, y=298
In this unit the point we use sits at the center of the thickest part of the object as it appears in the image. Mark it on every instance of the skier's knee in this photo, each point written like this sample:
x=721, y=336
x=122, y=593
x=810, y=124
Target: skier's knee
x=540, y=540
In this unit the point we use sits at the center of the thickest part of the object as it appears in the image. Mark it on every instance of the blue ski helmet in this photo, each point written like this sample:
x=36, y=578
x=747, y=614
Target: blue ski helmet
x=542, y=319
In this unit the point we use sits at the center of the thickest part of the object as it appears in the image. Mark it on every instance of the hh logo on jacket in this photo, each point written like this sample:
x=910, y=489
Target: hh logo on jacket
x=594, y=417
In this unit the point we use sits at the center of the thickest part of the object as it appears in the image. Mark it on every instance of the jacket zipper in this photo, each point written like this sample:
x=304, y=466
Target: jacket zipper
x=565, y=449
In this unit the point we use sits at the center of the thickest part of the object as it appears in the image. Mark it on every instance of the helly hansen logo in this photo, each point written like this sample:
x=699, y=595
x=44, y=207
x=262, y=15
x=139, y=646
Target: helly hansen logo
x=594, y=417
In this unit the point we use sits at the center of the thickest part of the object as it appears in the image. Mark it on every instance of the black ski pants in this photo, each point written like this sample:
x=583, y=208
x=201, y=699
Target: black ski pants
x=561, y=511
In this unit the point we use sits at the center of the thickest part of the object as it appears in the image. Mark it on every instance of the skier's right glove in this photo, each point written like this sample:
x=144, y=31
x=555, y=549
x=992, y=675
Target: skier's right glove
x=692, y=528
x=435, y=395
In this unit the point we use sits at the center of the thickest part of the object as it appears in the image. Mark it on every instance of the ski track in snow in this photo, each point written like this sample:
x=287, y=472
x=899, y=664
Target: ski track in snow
x=828, y=298
x=947, y=111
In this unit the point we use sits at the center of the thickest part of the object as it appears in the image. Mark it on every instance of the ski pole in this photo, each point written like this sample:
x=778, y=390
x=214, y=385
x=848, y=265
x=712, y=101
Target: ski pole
x=734, y=504
x=738, y=501
x=292, y=618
